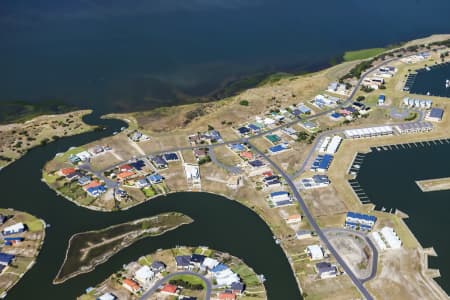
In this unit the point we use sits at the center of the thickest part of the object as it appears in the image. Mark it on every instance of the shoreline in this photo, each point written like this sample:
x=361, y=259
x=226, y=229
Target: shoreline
x=107, y=256
x=34, y=261
x=83, y=113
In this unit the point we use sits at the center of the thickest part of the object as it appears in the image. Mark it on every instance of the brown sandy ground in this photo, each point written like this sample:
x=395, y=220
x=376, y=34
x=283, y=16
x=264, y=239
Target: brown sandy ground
x=16, y=139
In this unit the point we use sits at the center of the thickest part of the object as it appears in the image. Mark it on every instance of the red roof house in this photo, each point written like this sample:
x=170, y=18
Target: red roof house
x=169, y=289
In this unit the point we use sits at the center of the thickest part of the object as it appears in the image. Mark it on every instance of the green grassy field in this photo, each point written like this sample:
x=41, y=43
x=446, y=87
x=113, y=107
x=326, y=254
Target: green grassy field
x=362, y=54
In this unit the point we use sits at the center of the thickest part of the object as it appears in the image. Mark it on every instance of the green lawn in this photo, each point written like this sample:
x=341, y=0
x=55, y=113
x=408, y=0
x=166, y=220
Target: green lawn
x=247, y=275
x=145, y=260
x=362, y=54
x=49, y=178
x=190, y=278
x=65, y=156
x=148, y=192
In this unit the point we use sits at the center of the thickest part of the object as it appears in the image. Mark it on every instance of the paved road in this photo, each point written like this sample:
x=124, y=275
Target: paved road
x=231, y=169
x=364, y=236
x=356, y=281
x=150, y=292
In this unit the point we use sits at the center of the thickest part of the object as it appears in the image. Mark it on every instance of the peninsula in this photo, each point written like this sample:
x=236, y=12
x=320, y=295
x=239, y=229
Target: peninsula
x=287, y=150
x=17, y=138
x=89, y=249
x=185, y=273
x=22, y=236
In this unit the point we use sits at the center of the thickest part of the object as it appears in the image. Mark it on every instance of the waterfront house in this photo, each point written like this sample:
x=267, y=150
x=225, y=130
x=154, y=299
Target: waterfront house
x=237, y=288
x=144, y=275
x=197, y=259
x=84, y=180
x=158, y=266
x=94, y=183
x=326, y=270
x=6, y=259
x=224, y=276
x=141, y=183
x=131, y=285
x=183, y=262
x=155, y=178
x=359, y=221
x=14, y=229
x=74, y=176
x=67, y=171
x=210, y=263
x=12, y=241
x=96, y=191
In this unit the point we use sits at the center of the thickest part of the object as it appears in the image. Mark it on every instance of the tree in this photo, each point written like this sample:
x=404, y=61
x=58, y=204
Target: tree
x=243, y=102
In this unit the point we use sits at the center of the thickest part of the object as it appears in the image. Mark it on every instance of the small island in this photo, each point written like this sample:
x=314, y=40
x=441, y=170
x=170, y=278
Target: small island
x=182, y=273
x=22, y=236
x=86, y=250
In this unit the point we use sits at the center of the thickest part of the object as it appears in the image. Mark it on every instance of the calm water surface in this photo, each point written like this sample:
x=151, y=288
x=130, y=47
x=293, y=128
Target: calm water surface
x=388, y=178
x=112, y=55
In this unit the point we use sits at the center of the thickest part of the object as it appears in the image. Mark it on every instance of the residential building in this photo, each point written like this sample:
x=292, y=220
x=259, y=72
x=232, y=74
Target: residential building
x=315, y=252
x=435, y=115
x=14, y=229
x=144, y=275
x=131, y=285
x=360, y=221
x=326, y=270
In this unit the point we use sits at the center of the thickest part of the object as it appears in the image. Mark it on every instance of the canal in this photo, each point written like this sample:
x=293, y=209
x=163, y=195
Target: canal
x=388, y=178
x=219, y=223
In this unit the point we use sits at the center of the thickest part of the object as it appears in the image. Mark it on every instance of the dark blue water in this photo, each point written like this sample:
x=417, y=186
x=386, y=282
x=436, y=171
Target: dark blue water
x=388, y=178
x=113, y=55
x=433, y=82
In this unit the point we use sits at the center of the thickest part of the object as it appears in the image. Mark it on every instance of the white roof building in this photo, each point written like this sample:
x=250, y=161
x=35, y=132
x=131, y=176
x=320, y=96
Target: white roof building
x=210, y=262
x=315, y=252
x=107, y=296
x=334, y=144
x=226, y=277
x=144, y=274
x=84, y=155
x=18, y=227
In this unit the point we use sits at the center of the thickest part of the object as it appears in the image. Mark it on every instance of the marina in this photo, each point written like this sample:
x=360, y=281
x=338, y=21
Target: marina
x=396, y=170
x=432, y=82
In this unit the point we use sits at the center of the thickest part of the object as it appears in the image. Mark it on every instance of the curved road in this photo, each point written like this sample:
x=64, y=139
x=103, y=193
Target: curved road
x=156, y=286
x=374, y=266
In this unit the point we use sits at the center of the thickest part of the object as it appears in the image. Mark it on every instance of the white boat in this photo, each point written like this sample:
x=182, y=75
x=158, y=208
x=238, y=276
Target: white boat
x=428, y=68
x=447, y=83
